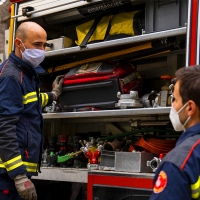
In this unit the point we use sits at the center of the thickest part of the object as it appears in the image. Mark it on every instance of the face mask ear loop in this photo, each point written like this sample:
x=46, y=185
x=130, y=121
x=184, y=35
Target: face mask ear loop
x=187, y=118
x=187, y=121
x=182, y=108
x=23, y=45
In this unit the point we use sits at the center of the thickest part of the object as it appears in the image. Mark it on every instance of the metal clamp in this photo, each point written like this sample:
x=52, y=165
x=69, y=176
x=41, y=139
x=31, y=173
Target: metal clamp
x=26, y=10
x=154, y=163
x=51, y=109
x=50, y=45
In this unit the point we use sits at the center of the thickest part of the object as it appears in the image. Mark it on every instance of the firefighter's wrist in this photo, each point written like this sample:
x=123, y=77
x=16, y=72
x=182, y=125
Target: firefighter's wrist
x=55, y=96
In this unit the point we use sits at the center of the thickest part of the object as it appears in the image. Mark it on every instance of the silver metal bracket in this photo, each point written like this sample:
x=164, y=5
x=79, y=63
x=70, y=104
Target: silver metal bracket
x=26, y=10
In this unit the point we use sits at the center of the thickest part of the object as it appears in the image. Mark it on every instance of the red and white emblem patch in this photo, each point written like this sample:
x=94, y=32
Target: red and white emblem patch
x=161, y=182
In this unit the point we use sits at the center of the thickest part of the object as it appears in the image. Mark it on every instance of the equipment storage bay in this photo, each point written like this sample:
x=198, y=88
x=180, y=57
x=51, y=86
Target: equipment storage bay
x=118, y=58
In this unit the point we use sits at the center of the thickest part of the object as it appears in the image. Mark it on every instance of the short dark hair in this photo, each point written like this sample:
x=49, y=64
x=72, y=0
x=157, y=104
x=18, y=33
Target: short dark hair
x=189, y=79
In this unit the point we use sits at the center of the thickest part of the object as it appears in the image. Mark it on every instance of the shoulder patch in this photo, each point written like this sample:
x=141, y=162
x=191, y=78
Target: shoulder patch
x=160, y=183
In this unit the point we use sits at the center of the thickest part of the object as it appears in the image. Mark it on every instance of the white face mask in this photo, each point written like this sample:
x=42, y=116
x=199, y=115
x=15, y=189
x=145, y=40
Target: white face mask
x=175, y=120
x=33, y=57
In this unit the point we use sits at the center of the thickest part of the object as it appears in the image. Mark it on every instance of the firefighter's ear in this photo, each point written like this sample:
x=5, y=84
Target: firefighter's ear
x=18, y=42
x=192, y=108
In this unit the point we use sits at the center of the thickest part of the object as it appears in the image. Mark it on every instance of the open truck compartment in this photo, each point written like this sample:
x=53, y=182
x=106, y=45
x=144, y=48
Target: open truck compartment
x=153, y=41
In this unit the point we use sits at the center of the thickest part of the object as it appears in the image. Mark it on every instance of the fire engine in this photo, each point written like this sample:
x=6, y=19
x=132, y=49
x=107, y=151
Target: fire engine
x=165, y=37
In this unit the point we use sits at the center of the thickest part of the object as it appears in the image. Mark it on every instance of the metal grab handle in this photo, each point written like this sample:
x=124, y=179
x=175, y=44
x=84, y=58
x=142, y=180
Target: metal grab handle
x=36, y=11
x=86, y=86
x=164, y=2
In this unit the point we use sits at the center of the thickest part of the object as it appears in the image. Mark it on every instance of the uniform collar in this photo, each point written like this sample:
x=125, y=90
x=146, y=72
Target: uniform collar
x=194, y=130
x=29, y=70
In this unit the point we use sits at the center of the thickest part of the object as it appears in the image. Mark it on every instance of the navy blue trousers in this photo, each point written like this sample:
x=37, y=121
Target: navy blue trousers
x=9, y=195
x=7, y=188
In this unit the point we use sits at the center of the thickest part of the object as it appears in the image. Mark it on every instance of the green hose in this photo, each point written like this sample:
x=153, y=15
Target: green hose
x=138, y=131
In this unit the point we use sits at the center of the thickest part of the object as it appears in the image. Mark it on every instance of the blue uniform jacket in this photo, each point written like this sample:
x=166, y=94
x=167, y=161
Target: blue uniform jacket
x=21, y=118
x=178, y=176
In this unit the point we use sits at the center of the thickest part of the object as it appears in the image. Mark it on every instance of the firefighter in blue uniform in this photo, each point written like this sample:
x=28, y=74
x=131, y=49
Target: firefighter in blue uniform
x=178, y=175
x=21, y=118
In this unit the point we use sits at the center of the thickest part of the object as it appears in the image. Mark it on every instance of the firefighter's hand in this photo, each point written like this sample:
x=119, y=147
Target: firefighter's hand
x=57, y=86
x=25, y=187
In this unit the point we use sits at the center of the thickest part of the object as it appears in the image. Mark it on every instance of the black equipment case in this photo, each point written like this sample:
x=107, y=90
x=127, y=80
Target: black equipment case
x=94, y=86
